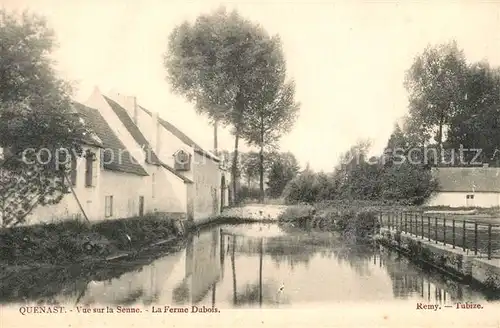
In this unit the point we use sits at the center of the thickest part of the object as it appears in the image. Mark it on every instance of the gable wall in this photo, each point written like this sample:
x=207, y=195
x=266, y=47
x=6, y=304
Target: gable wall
x=68, y=207
x=458, y=199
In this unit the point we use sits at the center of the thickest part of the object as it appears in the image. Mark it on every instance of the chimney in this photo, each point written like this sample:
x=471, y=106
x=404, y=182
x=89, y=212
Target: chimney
x=155, y=132
x=216, y=151
x=136, y=110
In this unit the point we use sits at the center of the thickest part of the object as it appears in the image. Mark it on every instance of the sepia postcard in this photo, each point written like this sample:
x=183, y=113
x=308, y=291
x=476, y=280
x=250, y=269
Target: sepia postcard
x=258, y=163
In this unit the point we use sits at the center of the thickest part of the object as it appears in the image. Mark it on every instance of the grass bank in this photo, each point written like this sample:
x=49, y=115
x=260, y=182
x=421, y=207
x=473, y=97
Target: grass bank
x=73, y=241
x=378, y=205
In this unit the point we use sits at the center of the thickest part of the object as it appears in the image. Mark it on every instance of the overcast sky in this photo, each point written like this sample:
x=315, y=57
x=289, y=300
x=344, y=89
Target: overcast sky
x=348, y=58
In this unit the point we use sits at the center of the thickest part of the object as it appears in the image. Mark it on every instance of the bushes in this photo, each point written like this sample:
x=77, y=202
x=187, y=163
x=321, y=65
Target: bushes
x=309, y=187
x=292, y=213
x=359, y=224
x=351, y=222
x=406, y=183
x=72, y=241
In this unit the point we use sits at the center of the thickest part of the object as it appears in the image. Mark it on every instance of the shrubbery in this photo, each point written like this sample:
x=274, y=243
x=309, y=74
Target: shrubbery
x=292, y=213
x=352, y=222
x=405, y=184
x=397, y=175
x=73, y=241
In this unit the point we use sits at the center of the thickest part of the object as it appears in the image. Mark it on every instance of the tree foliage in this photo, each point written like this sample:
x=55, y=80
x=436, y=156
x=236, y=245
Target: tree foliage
x=476, y=124
x=223, y=64
x=283, y=169
x=274, y=115
x=452, y=101
x=35, y=113
x=435, y=84
x=388, y=177
x=250, y=165
x=279, y=169
x=448, y=93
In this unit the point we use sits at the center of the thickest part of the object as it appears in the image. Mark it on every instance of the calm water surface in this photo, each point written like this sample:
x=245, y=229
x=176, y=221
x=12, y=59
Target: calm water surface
x=245, y=266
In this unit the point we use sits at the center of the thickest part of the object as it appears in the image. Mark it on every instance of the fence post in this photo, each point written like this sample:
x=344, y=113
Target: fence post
x=444, y=231
x=453, y=234
x=475, y=238
x=406, y=222
x=401, y=221
x=489, y=241
x=429, y=228
x=436, y=229
x=464, y=240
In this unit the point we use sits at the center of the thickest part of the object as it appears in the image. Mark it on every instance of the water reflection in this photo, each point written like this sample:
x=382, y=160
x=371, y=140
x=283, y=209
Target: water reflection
x=409, y=280
x=226, y=267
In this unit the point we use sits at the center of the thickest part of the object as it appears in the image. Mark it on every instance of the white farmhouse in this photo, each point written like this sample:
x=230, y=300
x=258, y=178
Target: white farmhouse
x=467, y=187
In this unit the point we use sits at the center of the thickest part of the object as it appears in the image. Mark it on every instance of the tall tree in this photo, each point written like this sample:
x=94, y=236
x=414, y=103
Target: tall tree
x=435, y=83
x=274, y=112
x=220, y=63
x=396, y=148
x=36, y=117
x=476, y=125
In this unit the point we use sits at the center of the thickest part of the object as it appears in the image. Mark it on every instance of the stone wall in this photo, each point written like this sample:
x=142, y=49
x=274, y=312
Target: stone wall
x=486, y=272
x=456, y=261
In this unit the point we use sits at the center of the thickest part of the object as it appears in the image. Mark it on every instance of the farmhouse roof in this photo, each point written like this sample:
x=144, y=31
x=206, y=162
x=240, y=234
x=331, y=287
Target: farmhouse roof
x=140, y=139
x=468, y=179
x=116, y=157
x=183, y=137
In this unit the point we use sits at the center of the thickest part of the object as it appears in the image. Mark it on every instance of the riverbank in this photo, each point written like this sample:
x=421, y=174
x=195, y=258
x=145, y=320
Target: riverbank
x=362, y=221
x=218, y=263
x=359, y=222
x=458, y=263
x=70, y=242
x=73, y=241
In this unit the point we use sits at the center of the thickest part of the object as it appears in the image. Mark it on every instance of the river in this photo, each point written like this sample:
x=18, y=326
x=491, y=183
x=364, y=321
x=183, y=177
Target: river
x=250, y=265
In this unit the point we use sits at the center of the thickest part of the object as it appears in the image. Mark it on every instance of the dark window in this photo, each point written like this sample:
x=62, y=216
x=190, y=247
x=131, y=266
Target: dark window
x=182, y=161
x=141, y=205
x=73, y=170
x=108, y=206
x=469, y=196
x=89, y=174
